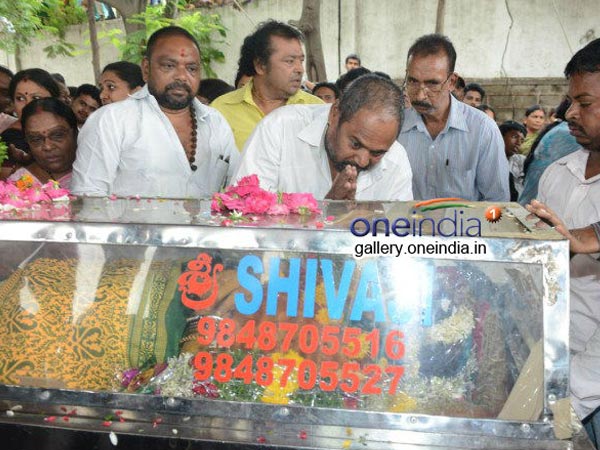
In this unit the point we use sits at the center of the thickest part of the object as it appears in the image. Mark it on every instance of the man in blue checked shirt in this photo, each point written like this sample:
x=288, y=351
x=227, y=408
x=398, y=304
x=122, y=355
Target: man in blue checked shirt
x=454, y=149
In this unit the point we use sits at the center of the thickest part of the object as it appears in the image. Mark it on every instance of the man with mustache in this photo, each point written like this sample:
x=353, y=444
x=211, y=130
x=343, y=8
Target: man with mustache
x=454, y=150
x=161, y=141
x=570, y=188
x=344, y=151
x=273, y=56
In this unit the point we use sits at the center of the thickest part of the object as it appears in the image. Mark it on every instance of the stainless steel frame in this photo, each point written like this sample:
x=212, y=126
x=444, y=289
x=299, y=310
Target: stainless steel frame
x=124, y=222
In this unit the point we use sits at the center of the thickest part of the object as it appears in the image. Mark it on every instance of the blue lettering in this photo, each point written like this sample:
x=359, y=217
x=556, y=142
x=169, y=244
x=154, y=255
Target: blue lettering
x=476, y=228
x=336, y=301
x=405, y=225
x=251, y=283
x=365, y=300
x=360, y=233
x=278, y=285
x=310, y=284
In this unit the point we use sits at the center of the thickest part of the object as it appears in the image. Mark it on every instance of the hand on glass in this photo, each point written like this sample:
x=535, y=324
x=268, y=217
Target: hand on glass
x=581, y=240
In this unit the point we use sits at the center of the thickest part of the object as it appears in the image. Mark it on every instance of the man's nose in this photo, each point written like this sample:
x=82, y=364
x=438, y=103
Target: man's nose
x=299, y=66
x=572, y=112
x=362, y=158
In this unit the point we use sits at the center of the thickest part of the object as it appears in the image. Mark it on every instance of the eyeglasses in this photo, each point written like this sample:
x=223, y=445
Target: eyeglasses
x=57, y=136
x=430, y=86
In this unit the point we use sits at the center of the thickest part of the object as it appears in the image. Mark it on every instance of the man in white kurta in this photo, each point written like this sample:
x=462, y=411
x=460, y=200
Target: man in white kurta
x=160, y=142
x=130, y=148
x=564, y=188
x=571, y=187
x=287, y=151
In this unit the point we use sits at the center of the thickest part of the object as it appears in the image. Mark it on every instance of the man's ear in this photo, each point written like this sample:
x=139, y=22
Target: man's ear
x=259, y=67
x=145, y=69
x=452, y=81
x=334, y=113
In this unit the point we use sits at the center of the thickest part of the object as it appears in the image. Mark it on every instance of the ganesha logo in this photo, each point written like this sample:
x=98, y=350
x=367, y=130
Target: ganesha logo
x=199, y=283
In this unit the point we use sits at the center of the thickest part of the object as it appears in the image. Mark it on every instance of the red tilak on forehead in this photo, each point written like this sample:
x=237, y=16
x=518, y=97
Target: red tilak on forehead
x=182, y=53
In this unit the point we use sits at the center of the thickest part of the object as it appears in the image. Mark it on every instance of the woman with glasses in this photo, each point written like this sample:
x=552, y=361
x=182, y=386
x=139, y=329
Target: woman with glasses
x=50, y=129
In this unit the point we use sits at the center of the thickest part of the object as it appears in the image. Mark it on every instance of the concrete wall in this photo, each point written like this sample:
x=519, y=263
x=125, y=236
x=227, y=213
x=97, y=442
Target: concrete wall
x=494, y=38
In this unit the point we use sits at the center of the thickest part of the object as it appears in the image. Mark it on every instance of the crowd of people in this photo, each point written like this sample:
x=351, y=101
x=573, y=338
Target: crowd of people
x=148, y=131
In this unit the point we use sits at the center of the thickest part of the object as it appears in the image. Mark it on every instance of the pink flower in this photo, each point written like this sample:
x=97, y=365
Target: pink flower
x=35, y=195
x=319, y=225
x=216, y=205
x=229, y=202
x=301, y=203
x=278, y=209
x=259, y=203
x=227, y=222
x=246, y=186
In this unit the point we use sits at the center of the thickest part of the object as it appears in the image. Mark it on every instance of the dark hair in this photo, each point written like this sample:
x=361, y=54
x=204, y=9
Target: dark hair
x=432, y=44
x=167, y=32
x=257, y=46
x=374, y=93
x=327, y=85
x=534, y=108
x=484, y=108
x=347, y=78
x=72, y=90
x=381, y=74
x=51, y=105
x=88, y=89
x=509, y=125
x=475, y=87
x=352, y=56
x=127, y=71
x=460, y=83
x=586, y=60
x=6, y=71
x=58, y=77
x=39, y=77
x=211, y=88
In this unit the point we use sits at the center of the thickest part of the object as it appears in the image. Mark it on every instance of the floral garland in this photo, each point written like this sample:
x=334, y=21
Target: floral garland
x=247, y=197
x=26, y=193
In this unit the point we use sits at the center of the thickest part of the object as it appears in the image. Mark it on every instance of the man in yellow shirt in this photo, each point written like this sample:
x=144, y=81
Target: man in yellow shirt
x=273, y=55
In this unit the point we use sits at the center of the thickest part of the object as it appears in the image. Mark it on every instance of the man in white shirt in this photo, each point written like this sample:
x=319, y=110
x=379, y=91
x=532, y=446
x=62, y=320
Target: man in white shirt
x=160, y=142
x=571, y=187
x=344, y=151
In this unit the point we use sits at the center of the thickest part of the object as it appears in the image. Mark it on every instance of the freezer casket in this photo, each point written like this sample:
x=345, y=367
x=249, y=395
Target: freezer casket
x=150, y=317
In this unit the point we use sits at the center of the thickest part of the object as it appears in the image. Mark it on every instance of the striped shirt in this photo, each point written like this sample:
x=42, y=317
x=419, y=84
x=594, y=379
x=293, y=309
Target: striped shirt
x=465, y=160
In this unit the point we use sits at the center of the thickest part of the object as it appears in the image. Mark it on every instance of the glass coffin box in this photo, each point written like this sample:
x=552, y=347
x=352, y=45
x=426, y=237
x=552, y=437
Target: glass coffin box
x=344, y=330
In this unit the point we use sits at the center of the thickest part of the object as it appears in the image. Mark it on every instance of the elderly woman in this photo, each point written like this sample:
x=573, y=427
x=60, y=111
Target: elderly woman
x=26, y=86
x=119, y=80
x=50, y=128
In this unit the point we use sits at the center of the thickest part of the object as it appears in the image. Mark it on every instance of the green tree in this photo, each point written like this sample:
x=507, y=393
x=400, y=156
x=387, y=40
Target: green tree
x=31, y=18
x=206, y=28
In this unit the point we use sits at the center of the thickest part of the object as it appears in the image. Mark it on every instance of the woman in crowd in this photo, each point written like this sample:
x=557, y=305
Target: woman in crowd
x=26, y=86
x=535, y=117
x=119, y=80
x=50, y=128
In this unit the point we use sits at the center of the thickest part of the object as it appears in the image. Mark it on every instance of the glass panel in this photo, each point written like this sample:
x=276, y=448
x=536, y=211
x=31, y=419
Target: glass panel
x=415, y=335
